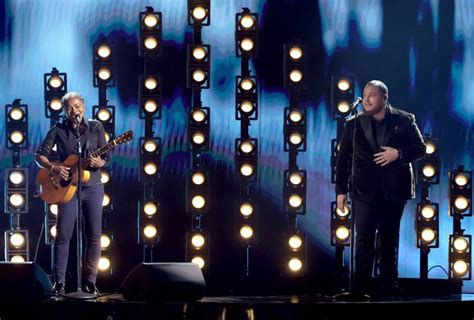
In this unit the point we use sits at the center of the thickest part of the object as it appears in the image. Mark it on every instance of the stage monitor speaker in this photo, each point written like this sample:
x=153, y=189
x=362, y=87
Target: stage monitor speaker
x=167, y=281
x=25, y=281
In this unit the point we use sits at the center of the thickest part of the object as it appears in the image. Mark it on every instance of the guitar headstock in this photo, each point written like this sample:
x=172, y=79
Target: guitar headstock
x=124, y=137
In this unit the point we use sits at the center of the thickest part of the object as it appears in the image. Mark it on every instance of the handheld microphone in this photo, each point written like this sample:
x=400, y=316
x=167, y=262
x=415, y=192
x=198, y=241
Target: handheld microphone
x=356, y=102
x=77, y=117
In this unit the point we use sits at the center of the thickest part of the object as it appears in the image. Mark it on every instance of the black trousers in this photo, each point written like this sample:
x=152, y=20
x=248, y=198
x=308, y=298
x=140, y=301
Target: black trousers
x=381, y=216
x=92, y=197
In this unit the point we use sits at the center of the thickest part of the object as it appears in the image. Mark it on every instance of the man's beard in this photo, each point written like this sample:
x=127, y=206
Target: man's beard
x=373, y=111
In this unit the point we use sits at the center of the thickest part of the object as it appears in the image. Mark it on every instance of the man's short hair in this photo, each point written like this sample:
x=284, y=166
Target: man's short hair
x=70, y=95
x=378, y=84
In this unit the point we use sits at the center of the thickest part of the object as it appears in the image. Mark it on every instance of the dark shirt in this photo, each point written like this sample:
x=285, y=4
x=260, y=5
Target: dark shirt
x=378, y=130
x=63, y=135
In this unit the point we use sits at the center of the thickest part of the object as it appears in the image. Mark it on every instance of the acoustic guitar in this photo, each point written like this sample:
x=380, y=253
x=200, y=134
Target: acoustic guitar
x=53, y=189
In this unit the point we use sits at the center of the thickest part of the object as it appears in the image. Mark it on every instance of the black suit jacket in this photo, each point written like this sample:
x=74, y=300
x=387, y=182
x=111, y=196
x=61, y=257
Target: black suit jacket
x=396, y=179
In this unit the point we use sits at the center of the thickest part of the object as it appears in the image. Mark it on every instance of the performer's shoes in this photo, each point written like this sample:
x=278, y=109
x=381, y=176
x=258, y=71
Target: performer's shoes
x=90, y=287
x=58, y=288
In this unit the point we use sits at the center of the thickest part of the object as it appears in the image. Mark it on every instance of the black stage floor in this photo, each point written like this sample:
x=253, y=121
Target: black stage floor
x=310, y=306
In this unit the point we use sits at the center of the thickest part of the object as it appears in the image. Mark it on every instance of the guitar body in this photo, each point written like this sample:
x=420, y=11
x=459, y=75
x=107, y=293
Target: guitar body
x=55, y=190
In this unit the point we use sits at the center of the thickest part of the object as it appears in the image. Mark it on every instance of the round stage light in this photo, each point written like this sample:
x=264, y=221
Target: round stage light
x=104, y=263
x=246, y=209
x=429, y=170
x=198, y=138
x=246, y=44
x=428, y=235
x=55, y=82
x=150, y=146
x=296, y=53
x=247, y=21
x=107, y=136
x=150, y=106
x=53, y=231
x=295, y=201
x=104, y=114
x=53, y=208
x=296, y=75
x=198, y=202
x=150, y=168
x=55, y=104
x=343, y=107
x=198, y=178
x=199, y=116
x=343, y=84
x=104, y=51
x=104, y=73
x=246, y=146
x=105, y=241
x=246, y=170
x=150, y=231
x=17, y=137
x=199, y=261
x=460, y=268
x=460, y=244
x=17, y=239
x=199, y=53
x=428, y=211
x=104, y=177
x=199, y=14
x=17, y=200
x=295, y=264
x=461, y=180
x=295, y=242
x=151, y=83
x=247, y=84
x=296, y=138
x=16, y=113
x=16, y=177
x=295, y=116
x=342, y=213
x=17, y=259
x=198, y=241
x=430, y=147
x=106, y=200
x=461, y=203
x=150, y=208
x=150, y=20
x=246, y=106
x=150, y=43
x=343, y=233
x=246, y=232
x=199, y=75
x=296, y=178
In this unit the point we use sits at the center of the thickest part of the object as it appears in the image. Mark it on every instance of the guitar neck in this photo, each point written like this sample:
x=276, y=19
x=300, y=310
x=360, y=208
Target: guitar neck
x=109, y=146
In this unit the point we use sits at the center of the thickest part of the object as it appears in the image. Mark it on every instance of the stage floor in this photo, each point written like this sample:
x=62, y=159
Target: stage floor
x=114, y=306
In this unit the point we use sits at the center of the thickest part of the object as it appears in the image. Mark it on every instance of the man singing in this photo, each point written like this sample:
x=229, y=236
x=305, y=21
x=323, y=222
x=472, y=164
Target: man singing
x=387, y=141
x=92, y=137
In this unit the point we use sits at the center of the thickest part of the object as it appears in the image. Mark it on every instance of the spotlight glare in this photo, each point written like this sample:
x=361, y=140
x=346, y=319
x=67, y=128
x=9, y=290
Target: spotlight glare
x=150, y=231
x=430, y=148
x=296, y=53
x=295, y=242
x=296, y=75
x=199, y=116
x=296, y=178
x=150, y=146
x=428, y=235
x=198, y=202
x=296, y=138
x=342, y=213
x=295, y=116
x=246, y=232
x=107, y=136
x=150, y=168
x=199, y=75
x=246, y=106
x=104, y=177
x=199, y=261
x=246, y=209
x=343, y=107
x=198, y=241
x=295, y=264
x=104, y=114
x=246, y=146
x=429, y=170
x=53, y=231
x=55, y=82
x=199, y=13
x=53, y=208
x=247, y=84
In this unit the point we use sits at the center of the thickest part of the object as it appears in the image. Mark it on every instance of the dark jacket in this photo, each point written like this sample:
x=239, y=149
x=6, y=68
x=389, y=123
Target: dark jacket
x=396, y=179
